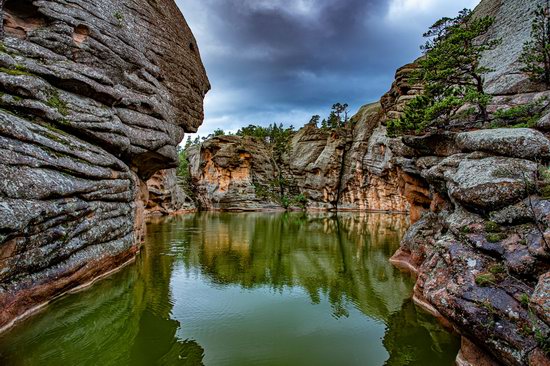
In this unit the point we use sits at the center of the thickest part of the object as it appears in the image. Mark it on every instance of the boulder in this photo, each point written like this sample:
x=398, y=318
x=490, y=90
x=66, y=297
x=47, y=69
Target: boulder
x=490, y=183
x=438, y=144
x=522, y=143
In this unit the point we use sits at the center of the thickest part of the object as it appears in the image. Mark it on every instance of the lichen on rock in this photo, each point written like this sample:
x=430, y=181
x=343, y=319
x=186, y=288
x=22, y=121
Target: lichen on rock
x=480, y=248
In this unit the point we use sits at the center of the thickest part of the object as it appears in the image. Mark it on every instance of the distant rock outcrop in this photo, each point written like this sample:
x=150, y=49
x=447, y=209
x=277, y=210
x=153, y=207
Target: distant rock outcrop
x=166, y=195
x=348, y=169
x=95, y=97
x=228, y=173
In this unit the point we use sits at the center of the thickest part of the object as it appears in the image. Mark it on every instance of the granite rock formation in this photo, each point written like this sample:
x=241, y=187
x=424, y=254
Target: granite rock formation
x=228, y=173
x=95, y=96
x=347, y=169
x=166, y=195
x=479, y=243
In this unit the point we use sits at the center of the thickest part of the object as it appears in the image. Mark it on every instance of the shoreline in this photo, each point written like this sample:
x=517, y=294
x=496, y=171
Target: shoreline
x=469, y=354
x=157, y=214
x=87, y=284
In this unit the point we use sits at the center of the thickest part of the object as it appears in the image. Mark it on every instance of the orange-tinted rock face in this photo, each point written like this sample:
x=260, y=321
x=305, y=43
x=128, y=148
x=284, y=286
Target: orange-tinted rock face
x=232, y=173
x=347, y=169
x=95, y=97
x=166, y=195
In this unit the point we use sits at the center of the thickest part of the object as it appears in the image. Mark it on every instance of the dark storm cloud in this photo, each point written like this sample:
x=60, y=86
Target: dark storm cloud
x=283, y=60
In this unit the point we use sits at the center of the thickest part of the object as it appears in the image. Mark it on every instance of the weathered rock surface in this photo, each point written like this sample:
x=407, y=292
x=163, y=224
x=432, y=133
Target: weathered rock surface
x=401, y=92
x=348, y=169
x=315, y=159
x=513, y=27
x=95, y=96
x=166, y=195
x=490, y=183
x=479, y=243
x=233, y=173
x=437, y=144
x=480, y=248
x=370, y=180
x=523, y=143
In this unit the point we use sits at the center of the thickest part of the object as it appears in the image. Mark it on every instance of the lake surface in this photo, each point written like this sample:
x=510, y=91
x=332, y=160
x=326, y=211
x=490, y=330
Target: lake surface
x=245, y=289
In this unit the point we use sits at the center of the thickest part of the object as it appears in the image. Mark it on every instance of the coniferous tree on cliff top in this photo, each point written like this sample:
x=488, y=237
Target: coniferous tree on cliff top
x=450, y=73
x=536, y=51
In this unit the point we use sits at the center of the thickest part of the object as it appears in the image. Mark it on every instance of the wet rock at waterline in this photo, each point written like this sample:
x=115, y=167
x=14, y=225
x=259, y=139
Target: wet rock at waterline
x=94, y=98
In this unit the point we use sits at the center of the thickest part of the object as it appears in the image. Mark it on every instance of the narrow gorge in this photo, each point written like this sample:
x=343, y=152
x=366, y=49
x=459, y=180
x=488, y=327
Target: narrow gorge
x=97, y=96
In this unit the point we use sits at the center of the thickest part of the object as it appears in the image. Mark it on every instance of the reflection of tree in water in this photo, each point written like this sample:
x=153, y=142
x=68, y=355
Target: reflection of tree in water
x=127, y=319
x=344, y=257
x=122, y=320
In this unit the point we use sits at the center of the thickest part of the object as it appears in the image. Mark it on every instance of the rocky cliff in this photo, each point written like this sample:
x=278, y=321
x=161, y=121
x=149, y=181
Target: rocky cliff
x=95, y=97
x=480, y=241
x=166, y=195
x=228, y=171
x=348, y=169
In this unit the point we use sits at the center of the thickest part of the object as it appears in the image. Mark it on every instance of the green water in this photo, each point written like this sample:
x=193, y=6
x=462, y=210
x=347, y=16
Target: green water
x=245, y=289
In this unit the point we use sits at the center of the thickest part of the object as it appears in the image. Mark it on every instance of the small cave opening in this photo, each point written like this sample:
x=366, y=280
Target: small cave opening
x=21, y=17
x=192, y=47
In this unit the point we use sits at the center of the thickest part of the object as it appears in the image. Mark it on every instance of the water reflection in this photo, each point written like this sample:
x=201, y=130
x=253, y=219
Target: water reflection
x=344, y=258
x=240, y=289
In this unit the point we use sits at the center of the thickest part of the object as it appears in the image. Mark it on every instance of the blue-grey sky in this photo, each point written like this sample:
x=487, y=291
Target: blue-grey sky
x=286, y=60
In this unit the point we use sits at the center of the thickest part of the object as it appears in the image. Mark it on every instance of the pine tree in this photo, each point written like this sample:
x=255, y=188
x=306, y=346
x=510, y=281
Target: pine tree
x=450, y=73
x=314, y=120
x=188, y=143
x=536, y=51
x=219, y=132
x=333, y=120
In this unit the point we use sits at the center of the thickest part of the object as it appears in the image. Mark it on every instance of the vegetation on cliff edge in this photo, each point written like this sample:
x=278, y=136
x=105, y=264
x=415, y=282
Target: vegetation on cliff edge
x=536, y=51
x=450, y=73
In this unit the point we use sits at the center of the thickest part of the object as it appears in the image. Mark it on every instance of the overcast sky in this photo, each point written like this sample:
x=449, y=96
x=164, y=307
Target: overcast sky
x=286, y=60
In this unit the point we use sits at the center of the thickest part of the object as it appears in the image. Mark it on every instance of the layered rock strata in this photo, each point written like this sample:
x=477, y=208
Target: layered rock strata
x=95, y=96
x=480, y=251
x=166, y=195
x=229, y=172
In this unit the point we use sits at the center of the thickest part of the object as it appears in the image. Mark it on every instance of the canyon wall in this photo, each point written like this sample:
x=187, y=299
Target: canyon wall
x=95, y=97
x=479, y=244
x=167, y=195
x=348, y=168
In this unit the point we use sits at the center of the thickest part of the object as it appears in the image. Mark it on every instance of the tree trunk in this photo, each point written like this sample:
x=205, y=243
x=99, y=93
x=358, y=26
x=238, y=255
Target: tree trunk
x=2, y=20
x=480, y=90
